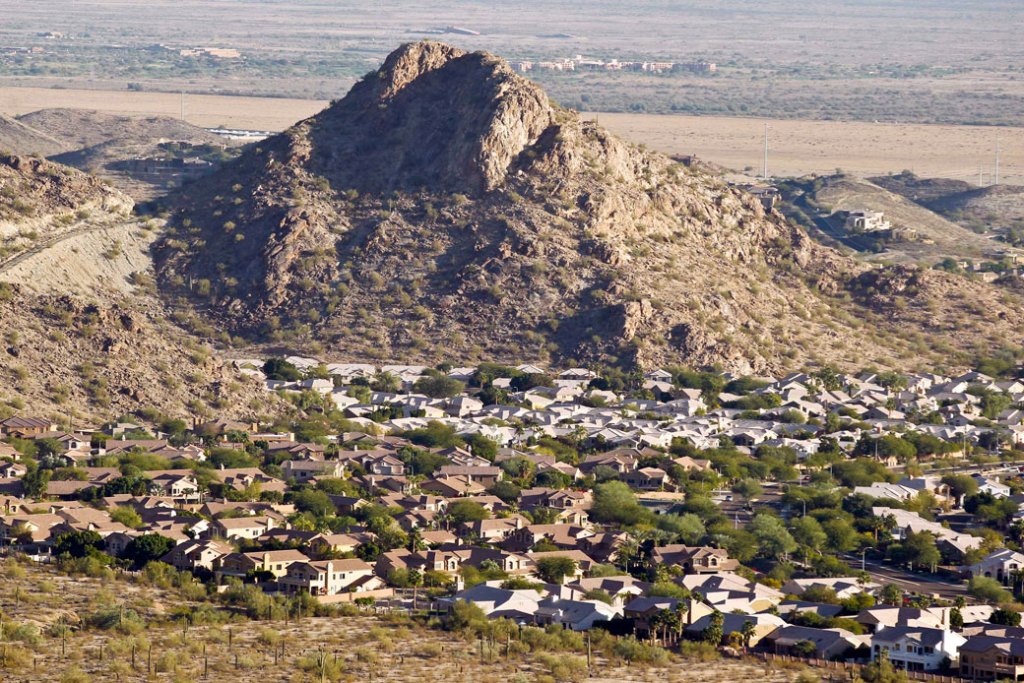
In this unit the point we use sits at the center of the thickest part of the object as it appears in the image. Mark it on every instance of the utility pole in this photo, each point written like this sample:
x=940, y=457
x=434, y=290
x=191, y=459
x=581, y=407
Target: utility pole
x=997, y=162
x=766, y=152
x=182, y=105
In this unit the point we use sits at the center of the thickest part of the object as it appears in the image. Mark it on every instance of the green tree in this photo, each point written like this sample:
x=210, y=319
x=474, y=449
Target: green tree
x=956, y=619
x=281, y=370
x=555, y=569
x=807, y=532
x=35, y=482
x=313, y=501
x=127, y=516
x=842, y=536
x=882, y=671
x=829, y=378
x=434, y=435
x=747, y=633
x=386, y=383
x=687, y=527
x=615, y=503
x=773, y=540
x=989, y=590
x=438, y=387
x=467, y=511
x=78, y=544
x=917, y=550
x=1005, y=617
x=891, y=594
x=147, y=548
x=960, y=485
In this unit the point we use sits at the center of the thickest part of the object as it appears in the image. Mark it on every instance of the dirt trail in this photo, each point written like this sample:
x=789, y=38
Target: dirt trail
x=89, y=259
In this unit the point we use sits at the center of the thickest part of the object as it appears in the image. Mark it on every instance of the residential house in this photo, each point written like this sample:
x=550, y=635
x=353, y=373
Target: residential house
x=646, y=478
x=26, y=426
x=328, y=577
x=764, y=625
x=914, y=648
x=1001, y=565
x=844, y=587
x=642, y=610
x=694, y=560
x=883, y=616
x=275, y=562
x=578, y=615
x=829, y=643
x=242, y=527
x=986, y=657
x=194, y=555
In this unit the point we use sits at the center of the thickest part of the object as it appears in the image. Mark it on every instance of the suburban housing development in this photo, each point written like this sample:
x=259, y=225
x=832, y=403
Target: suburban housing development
x=820, y=516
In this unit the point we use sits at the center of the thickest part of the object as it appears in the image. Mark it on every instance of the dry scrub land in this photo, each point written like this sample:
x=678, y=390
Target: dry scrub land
x=37, y=648
x=797, y=147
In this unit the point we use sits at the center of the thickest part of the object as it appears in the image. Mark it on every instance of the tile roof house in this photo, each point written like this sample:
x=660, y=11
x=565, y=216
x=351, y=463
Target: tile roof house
x=26, y=426
x=877, y=618
x=914, y=648
x=275, y=562
x=829, y=643
x=694, y=560
x=985, y=657
x=192, y=555
x=642, y=609
x=242, y=527
x=327, y=577
x=764, y=624
x=1000, y=565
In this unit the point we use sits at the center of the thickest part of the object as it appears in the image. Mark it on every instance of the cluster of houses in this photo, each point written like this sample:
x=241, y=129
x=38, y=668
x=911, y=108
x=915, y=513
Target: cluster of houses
x=237, y=523
x=580, y=63
x=952, y=406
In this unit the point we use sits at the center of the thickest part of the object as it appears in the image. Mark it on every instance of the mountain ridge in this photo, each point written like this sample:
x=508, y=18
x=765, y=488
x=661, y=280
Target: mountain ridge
x=490, y=223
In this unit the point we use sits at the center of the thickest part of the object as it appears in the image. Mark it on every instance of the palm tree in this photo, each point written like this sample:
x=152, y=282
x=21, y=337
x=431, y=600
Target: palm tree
x=672, y=623
x=656, y=624
x=415, y=580
x=415, y=540
x=747, y=632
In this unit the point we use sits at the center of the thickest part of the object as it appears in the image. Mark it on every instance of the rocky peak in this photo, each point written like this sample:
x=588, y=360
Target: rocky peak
x=409, y=62
x=432, y=117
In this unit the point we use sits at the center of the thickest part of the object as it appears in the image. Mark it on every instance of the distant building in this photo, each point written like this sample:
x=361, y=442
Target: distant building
x=697, y=67
x=866, y=221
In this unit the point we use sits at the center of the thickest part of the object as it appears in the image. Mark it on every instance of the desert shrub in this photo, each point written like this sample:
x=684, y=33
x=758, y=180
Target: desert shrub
x=75, y=675
x=704, y=652
x=632, y=650
x=23, y=633
x=565, y=668
x=123, y=620
x=429, y=650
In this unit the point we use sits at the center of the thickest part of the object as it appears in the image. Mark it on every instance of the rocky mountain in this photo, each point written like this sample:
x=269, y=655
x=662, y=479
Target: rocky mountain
x=83, y=331
x=446, y=209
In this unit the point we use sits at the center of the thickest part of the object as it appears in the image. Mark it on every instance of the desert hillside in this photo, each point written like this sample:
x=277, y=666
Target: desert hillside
x=446, y=208
x=83, y=329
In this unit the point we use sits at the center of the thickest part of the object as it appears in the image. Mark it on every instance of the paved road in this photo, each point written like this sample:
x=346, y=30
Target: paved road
x=909, y=581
